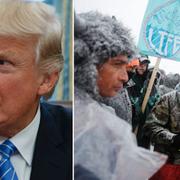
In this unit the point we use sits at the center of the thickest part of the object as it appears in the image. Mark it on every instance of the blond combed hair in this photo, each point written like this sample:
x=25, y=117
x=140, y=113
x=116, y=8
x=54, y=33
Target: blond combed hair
x=21, y=19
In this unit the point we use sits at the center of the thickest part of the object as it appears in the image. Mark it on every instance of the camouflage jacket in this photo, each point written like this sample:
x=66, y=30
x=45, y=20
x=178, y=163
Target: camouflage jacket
x=164, y=123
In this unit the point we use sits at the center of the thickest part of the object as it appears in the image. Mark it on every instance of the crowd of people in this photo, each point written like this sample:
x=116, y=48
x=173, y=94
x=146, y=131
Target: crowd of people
x=109, y=118
x=105, y=138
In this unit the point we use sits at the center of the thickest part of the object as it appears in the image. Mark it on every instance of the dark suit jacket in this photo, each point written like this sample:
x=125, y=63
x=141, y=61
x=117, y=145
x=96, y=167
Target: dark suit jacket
x=52, y=158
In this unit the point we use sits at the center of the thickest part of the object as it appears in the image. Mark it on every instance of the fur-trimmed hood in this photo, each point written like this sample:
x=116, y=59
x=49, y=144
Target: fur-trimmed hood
x=97, y=38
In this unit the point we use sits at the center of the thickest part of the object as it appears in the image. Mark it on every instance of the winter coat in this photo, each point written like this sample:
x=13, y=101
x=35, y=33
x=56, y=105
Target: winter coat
x=137, y=87
x=164, y=123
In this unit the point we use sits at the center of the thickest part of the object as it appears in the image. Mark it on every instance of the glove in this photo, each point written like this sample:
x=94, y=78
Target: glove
x=176, y=141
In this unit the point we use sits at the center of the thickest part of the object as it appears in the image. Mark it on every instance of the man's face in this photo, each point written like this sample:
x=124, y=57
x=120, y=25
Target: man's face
x=112, y=75
x=141, y=69
x=19, y=84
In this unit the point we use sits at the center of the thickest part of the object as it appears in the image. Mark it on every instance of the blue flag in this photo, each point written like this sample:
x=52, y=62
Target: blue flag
x=160, y=31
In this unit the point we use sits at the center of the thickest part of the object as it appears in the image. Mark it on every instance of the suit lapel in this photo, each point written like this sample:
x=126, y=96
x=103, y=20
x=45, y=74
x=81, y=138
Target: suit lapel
x=49, y=153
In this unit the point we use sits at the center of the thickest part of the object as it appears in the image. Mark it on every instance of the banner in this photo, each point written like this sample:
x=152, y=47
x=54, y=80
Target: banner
x=160, y=31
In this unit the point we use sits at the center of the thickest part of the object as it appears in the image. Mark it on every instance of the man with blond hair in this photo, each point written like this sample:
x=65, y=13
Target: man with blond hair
x=35, y=138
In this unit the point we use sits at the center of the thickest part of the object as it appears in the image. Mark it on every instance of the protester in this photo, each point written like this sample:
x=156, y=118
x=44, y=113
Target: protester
x=35, y=139
x=104, y=143
x=163, y=127
x=137, y=86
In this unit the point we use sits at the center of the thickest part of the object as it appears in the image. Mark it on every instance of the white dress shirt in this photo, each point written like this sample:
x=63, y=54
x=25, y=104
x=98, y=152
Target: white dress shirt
x=24, y=142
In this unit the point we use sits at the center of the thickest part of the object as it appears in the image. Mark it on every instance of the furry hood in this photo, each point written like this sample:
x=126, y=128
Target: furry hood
x=97, y=38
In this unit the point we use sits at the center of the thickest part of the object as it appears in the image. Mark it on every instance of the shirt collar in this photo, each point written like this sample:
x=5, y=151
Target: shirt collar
x=25, y=139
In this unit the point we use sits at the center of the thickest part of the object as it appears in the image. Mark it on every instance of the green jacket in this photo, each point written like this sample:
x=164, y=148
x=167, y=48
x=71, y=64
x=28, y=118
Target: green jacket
x=137, y=87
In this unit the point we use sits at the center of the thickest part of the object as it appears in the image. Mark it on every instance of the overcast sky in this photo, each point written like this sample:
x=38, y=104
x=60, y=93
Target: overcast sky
x=131, y=13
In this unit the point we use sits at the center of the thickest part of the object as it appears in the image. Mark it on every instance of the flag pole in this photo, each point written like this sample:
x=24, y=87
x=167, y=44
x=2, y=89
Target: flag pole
x=150, y=85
